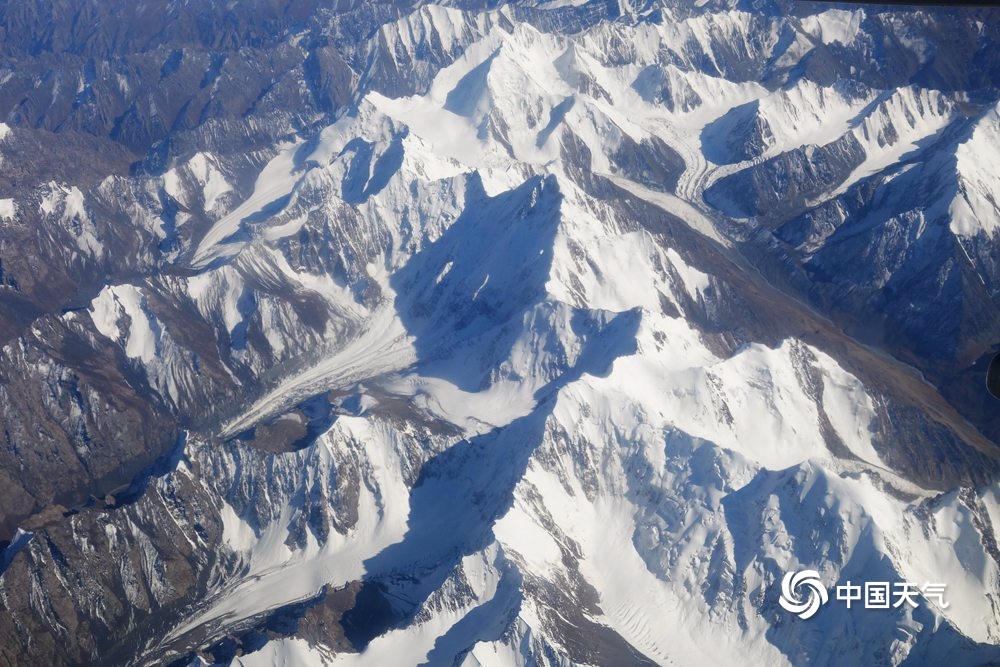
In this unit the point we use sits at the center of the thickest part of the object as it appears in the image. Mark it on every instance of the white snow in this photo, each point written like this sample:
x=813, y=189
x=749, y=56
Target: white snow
x=893, y=129
x=475, y=412
x=974, y=209
x=834, y=26
x=809, y=114
x=275, y=181
x=279, y=575
x=635, y=462
x=115, y=304
x=286, y=652
x=8, y=209
x=213, y=182
x=381, y=349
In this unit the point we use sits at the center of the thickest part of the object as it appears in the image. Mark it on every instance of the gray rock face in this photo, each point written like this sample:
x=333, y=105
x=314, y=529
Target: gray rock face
x=494, y=333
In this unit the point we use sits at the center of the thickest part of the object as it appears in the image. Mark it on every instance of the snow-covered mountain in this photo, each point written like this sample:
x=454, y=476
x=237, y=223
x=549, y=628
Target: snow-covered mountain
x=476, y=333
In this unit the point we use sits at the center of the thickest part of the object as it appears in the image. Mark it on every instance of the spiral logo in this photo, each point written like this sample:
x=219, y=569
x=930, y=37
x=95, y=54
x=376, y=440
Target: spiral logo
x=817, y=595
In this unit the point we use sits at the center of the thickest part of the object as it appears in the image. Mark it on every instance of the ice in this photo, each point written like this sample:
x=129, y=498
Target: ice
x=274, y=183
x=380, y=350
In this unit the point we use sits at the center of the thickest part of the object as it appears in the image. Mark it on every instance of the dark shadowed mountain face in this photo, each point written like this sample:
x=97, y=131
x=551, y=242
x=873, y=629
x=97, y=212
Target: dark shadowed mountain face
x=479, y=333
